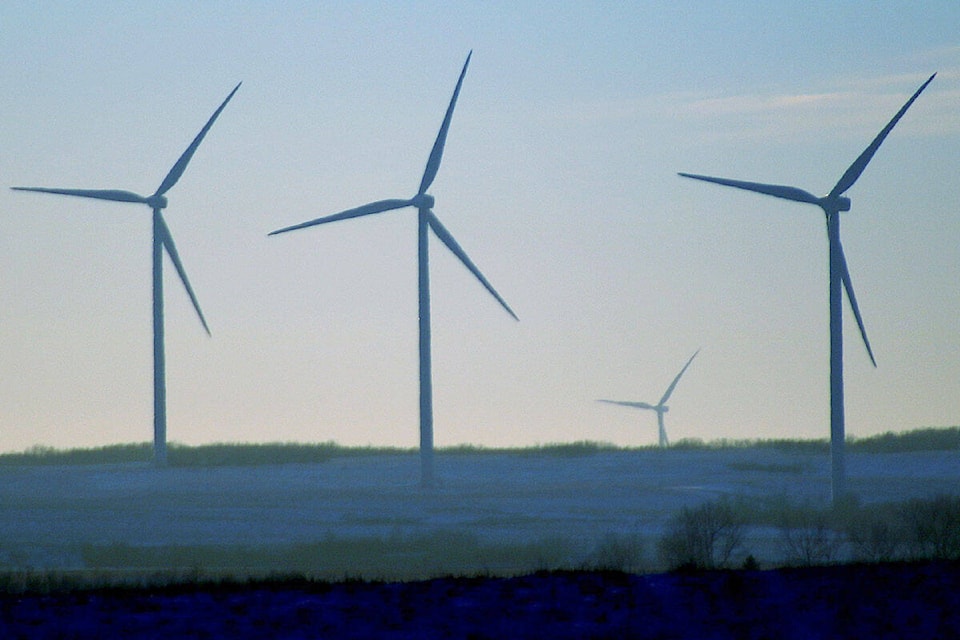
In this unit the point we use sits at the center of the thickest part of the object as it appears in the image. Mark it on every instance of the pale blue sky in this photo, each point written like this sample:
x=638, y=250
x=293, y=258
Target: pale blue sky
x=559, y=179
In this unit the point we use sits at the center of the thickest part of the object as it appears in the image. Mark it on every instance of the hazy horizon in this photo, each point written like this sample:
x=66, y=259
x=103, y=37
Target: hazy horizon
x=558, y=179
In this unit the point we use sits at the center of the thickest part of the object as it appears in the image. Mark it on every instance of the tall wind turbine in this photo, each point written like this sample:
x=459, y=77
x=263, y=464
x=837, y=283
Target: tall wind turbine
x=426, y=220
x=162, y=241
x=832, y=204
x=661, y=407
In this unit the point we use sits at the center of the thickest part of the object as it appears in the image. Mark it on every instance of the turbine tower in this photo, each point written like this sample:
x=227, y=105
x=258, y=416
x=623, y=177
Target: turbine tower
x=661, y=407
x=162, y=241
x=832, y=204
x=427, y=220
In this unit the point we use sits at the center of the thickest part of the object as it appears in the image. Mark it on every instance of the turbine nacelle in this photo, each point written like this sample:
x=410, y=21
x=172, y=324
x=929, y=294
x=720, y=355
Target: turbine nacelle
x=157, y=201
x=422, y=201
x=839, y=203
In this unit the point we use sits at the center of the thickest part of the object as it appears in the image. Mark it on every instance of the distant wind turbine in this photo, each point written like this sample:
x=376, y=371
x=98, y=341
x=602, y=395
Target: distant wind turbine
x=426, y=220
x=832, y=204
x=162, y=241
x=661, y=407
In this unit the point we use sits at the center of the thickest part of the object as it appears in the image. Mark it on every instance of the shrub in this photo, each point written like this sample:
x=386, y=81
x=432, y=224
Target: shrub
x=932, y=527
x=703, y=537
x=806, y=537
x=875, y=539
x=875, y=536
x=927, y=439
x=616, y=553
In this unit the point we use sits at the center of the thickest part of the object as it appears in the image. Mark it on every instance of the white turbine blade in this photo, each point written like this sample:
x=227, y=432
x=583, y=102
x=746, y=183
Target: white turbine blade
x=666, y=396
x=634, y=405
x=848, y=285
x=374, y=207
x=433, y=162
x=167, y=241
x=776, y=190
x=177, y=170
x=458, y=251
x=100, y=194
x=853, y=172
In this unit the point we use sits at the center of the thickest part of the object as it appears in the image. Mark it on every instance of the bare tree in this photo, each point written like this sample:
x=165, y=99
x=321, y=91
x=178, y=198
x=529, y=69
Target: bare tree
x=806, y=537
x=875, y=536
x=703, y=537
x=933, y=527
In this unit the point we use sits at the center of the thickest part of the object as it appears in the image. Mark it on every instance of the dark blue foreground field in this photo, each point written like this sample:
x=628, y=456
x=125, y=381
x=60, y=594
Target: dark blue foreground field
x=853, y=601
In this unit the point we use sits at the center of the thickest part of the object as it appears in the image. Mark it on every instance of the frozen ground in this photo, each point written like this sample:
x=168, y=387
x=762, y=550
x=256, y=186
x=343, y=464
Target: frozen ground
x=48, y=513
x=851, y=601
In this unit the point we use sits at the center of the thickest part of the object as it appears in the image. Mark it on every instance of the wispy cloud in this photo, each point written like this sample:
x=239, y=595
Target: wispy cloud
x=757, y=104
x=855, y=111
x=845, y=108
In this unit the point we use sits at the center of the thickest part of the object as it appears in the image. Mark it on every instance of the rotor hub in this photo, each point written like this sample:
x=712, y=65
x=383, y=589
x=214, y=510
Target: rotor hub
x=157, y=202
x=423, y=201
x=838, y=203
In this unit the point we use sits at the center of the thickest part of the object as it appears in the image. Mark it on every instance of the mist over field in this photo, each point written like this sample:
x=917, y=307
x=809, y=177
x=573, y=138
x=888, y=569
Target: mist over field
x=332, y=512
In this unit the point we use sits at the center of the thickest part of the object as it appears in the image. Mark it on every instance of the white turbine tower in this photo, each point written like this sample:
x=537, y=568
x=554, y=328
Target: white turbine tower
x=661, y=407
x=832, y=204
x=427, y=220
x=162, y=241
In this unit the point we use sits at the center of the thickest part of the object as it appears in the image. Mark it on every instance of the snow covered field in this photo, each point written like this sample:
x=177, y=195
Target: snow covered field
x=48, y=514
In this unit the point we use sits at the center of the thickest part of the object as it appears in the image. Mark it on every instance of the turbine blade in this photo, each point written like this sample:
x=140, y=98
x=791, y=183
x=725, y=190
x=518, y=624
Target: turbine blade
x=167, y=241
x=853, y=171
x=776, y=190
x=365, y=210
x=634, y=405
x=433, y=163
x=181, y=164
x=458, y=251
x=851, y=296
x=666, y=396
x=100, y=194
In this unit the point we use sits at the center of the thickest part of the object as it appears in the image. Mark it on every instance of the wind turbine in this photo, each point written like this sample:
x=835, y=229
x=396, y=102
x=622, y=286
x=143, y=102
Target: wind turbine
x=162, y=241
x=661, y=407
x=426, y=220
x=832, y=204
